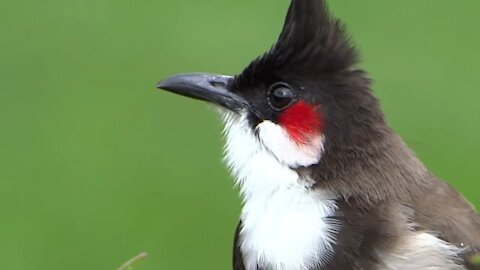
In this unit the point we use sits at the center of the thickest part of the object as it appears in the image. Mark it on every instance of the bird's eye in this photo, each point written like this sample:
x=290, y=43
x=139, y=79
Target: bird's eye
x=280, y=96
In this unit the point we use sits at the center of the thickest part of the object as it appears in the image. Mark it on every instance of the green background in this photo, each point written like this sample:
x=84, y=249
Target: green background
x=96, y=165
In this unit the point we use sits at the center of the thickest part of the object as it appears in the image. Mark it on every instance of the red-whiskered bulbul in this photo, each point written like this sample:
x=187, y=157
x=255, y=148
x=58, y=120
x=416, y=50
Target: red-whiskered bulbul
x=325, y=182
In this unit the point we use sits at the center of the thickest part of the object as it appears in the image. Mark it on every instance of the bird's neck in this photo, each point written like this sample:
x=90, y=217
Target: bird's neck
x=384, y=169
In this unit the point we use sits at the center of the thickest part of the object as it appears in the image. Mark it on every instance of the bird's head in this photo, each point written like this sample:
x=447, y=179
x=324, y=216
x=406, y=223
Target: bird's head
x=302, y=98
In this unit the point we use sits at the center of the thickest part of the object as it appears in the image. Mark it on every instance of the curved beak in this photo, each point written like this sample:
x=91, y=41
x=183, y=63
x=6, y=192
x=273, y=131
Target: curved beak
x=208, y=87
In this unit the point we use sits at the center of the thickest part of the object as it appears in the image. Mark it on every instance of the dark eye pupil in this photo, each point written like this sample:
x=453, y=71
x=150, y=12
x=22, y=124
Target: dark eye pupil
x=281, y=97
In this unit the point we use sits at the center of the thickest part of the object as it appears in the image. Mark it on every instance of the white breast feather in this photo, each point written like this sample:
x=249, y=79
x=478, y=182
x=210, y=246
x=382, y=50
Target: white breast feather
x=284, y=222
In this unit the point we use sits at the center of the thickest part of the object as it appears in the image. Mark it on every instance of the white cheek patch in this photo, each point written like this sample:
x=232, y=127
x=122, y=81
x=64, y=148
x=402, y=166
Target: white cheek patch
x=280, y=144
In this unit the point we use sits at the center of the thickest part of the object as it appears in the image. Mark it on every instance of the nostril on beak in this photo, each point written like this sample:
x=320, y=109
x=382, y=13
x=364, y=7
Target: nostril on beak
x=218, y=84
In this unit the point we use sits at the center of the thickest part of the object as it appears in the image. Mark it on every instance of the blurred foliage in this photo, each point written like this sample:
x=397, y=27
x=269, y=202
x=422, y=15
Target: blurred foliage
x=476, y=260
x=96, y=165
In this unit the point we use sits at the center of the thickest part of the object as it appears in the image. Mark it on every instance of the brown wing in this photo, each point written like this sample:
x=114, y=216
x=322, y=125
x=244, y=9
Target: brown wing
x=237, y=253
x=446, y=212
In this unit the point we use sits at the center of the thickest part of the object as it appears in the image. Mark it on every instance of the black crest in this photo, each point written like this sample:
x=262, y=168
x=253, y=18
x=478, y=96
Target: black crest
x=312, y=42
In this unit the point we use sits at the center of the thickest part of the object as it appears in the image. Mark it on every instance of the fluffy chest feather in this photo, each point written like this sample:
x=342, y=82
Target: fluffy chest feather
x=287, y=230
x=285, y=223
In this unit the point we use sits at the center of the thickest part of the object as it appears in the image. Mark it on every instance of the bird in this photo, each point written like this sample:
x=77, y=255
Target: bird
x=325, y=182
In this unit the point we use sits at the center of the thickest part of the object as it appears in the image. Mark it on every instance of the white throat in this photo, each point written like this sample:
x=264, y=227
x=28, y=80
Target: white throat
x=285, y=223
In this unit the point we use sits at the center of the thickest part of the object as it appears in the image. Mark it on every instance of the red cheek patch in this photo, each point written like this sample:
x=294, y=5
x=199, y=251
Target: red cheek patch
x=302, y=121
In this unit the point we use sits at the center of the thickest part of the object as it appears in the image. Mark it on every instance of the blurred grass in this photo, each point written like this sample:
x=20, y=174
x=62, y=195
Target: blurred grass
x=129, y=265
x=97, y=165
